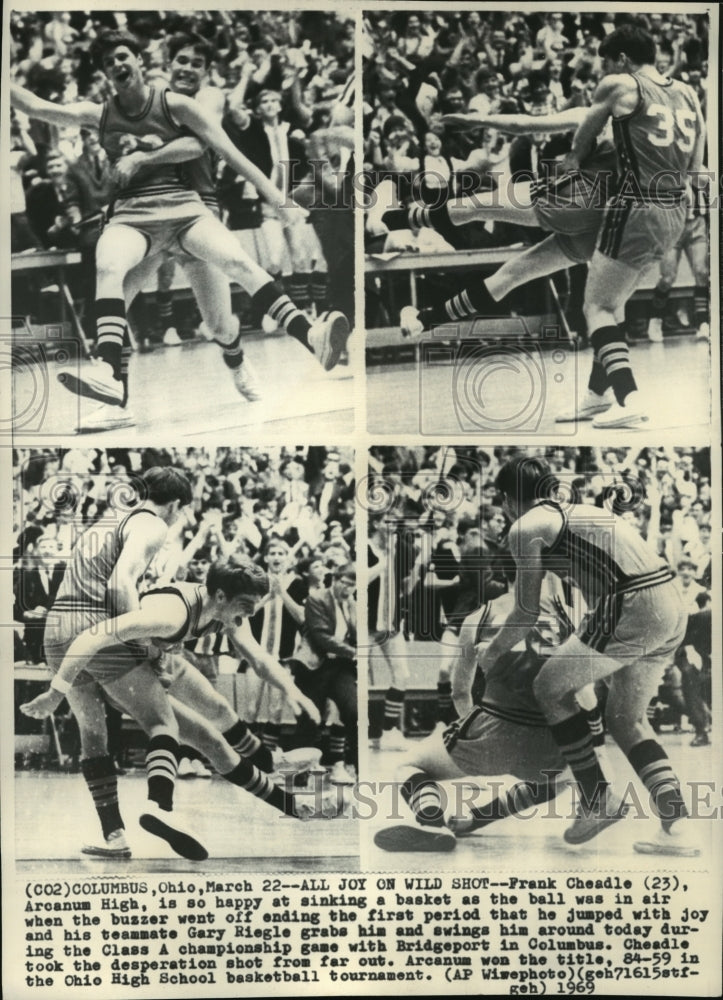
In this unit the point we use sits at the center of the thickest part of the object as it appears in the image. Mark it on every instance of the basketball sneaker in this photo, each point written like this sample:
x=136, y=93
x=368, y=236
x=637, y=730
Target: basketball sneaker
x=246, y=381
x=115, y=847
x=171, y=338
x=410, y=323
x=165, y=825
x=105, y=418
x=703, y=332
x=416, y=837
x=655, y=330
x=632, y=414
x=327, y=338
x=328, y=804
x=96, y=381
x=677, y=842
x=393, y=739
x=590, y=822
x=586, y=409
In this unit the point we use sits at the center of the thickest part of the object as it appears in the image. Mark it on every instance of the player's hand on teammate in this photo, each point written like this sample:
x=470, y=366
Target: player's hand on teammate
x=42, y=706
x=126, y=168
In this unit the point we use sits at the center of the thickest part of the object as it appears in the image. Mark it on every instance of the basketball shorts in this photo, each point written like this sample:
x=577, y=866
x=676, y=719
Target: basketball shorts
x=116, y=660
x=487, y=742
x=571, y=207
x=162, y=219
x=639, y=233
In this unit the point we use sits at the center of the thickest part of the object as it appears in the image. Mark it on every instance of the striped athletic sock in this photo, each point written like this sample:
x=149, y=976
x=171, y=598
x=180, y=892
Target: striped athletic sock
x=125, y=364
x=598, y=381
x=523, y=795
x=233, y=354
x=424, y=798
x=271, y=299
x=247, y=776
x=433, y=217
x=575, y=741
x=337, y=745
x=473, y=300
x=396, y=218
x=393, y=706
x=164, y=304
x=650, y=762
x=319, y=290
x=609, y=345
x=161, y=768
x=297, y=288
x=248, y=745
x=100, y=777
x=701, y=305
x=270, y=735
x=111, y=332
x=597, y=727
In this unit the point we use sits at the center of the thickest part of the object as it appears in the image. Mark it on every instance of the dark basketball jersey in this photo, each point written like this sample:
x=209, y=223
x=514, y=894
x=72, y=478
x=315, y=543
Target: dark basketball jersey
x=192, y=596
x=121, y=134
x=655, y=142
x=93, y=559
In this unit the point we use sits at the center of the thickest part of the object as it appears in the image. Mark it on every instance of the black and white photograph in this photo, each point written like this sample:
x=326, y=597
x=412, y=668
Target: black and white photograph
x=176, y=621
x=537, y=190
x=181, y=230
x=539, y=626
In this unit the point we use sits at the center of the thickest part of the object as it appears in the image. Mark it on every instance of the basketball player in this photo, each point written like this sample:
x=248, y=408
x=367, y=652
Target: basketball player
x=659, y=139
x=156, y=211
x=166, y=618
x=502, y=732
x=635, y=623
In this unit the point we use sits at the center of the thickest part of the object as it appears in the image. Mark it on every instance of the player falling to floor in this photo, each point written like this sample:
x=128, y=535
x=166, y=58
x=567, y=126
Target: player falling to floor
x=501, y=733
x=155, y=210
x=635, y=623
x=107, y=560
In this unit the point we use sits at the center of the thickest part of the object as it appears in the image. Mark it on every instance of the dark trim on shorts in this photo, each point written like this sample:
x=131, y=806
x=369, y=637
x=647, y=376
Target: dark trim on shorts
x=613, y=230
x=602, y=624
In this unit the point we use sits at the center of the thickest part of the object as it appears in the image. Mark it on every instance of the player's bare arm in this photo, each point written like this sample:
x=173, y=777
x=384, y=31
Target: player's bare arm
x=561, y=121
x=141, y=543
x=178, y=151
x=79, y=113
x=186, y=112
x=617, y=95
x=271, y=670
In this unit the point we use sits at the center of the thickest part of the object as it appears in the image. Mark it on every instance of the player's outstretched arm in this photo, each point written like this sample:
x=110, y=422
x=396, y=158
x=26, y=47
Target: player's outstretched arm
x=187, y=113
x=271, y=670
x=560, y=121
x=177, y=151
x=79, y=113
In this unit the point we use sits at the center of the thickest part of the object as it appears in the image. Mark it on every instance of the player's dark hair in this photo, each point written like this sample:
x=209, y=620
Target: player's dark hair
x=163, y=484
x=525, y=479
x=236, y=576
x=190, y=40
x=109, y=40
x=631, y=40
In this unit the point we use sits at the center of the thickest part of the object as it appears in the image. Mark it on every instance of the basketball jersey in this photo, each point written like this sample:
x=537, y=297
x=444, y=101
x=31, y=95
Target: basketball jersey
x=92, y=561
x=191, y=594
x=200, y=176
x=655, y=142
x=602, y=553
x=120, y=134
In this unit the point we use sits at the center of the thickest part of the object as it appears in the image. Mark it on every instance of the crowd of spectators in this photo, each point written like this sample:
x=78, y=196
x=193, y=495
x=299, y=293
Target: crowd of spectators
x=451, y=554
x=290, y=510
x=61, y=180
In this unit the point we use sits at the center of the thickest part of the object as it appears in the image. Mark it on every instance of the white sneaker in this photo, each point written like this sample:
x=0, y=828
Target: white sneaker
x=392, y=739
x=317, y=804
x=171, y=338
x=679, y=842
x=200, y=770
x=591, y=404
x=115, y=846
x=268, y=325
x=632, y=414
x=185, y=769
x=410, y=323
x=105, y=418
x=327, y=338
x=166, y=825
x=416, y=837
x=703, y=332
x=655, y=330
x=338, y=775
x=246, y=381
x=96, y=381
x=587, y=825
